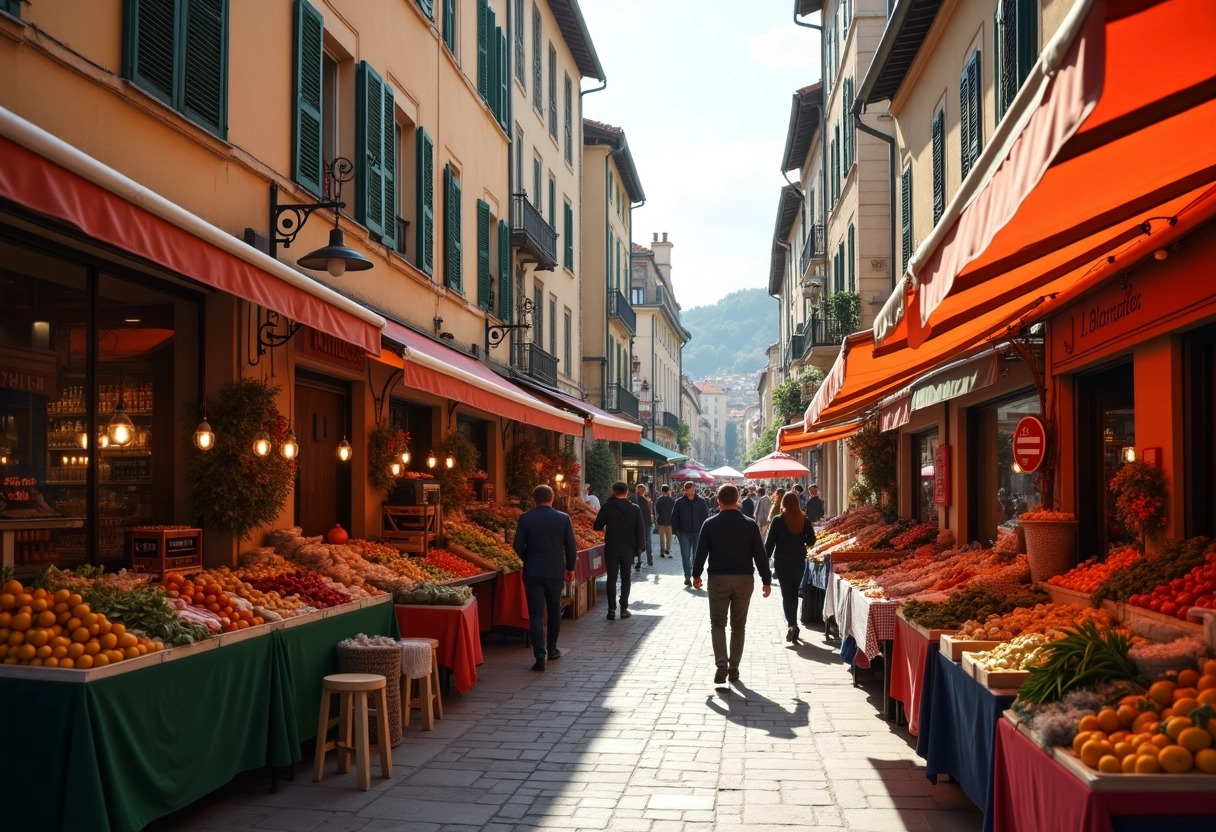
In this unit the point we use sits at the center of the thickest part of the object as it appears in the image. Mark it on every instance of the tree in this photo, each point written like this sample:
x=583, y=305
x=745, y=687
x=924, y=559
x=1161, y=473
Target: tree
x=790, y=399
x=685, y=440
x=601, y=468
x=876, y=453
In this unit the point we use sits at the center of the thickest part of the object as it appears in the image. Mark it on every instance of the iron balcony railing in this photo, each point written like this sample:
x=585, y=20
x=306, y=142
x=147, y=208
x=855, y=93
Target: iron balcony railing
x=537, y=363
x=620, y=400
x=823, y=332
x=797, y=345
x=531, y=233
x=671, y=421
x=814, y=248
x=619, y=307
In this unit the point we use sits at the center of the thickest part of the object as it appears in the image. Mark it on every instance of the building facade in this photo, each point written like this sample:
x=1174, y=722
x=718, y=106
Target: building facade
x=657, y=365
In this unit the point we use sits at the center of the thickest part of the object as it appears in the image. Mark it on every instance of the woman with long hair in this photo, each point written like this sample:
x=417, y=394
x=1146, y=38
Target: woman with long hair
x=789, y=535
x=778, y=496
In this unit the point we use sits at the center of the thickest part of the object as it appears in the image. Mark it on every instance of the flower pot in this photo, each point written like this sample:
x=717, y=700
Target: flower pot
x=1050, y=547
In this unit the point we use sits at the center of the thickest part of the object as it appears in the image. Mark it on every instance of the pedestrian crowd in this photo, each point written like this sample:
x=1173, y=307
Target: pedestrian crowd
x=731, y=534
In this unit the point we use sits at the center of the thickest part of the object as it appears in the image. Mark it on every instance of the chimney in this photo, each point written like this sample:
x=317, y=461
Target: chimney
x=656, y=236
x=662, y=255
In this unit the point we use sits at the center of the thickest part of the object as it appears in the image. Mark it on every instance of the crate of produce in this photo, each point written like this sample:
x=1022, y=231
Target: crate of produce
x=994, y=679
x=159, y=549
x=931, y=633
x=953, y=646
x=472, y=557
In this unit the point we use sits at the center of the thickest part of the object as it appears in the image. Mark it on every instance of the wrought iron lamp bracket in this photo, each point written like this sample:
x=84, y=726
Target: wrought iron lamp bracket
x=496, y=333
x=286, y=221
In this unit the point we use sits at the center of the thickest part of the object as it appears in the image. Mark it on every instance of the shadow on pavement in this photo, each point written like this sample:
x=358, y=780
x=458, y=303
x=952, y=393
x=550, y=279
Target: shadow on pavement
x=744, y=706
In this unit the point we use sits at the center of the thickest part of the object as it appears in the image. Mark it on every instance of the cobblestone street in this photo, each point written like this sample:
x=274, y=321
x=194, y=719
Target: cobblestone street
x=627, y=732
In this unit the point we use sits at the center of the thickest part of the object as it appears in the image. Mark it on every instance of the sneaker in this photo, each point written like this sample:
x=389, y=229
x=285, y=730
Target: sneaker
x=688, y=582
x=733, y=674
x=790, y=634
x=720, y=675
x=611, y=615
x=626, y=614
x=637, y=566
x=539, y=665
x=555, y=654
x=650, y=561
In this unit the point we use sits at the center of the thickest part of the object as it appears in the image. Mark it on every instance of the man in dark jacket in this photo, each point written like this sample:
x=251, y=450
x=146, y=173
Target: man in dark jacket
x=731, y=543
x=689, y=512
x=748, y=506
x=621, y=522
x=814, y=505
x=642, y=501
x=544, y=540
x=662, y=519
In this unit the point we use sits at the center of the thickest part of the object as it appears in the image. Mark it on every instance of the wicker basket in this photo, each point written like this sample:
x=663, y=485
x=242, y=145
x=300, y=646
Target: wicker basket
x=383, y=661
x=1050, y=547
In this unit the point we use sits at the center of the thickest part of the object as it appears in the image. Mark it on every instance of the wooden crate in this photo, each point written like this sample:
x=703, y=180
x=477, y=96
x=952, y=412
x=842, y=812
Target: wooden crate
x=953, y=647
x=993, y=679
x=412, y=529
x=162, y=550
x=931, y=633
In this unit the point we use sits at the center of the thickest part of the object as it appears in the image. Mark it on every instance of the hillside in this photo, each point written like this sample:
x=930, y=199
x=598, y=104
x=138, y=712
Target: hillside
x=731, y=335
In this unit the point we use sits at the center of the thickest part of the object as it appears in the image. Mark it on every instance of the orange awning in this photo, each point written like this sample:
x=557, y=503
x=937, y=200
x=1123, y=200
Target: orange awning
x=1105, y=156
x=450, y=374
x=796, y=437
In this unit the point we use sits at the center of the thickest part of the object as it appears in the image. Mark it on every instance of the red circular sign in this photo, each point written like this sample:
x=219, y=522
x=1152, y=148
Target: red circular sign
x=1029, y=444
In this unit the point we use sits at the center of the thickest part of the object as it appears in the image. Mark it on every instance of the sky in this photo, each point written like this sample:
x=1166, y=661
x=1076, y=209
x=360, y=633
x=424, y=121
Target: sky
x=703, y=91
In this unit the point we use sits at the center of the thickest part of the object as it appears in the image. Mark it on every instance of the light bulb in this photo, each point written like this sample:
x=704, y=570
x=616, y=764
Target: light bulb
x=103, y=441
x=261, y=443
x=559, y=477
x=449, y=462
x=1129, y=454
x=405, y=457
x=395, y=469
x=204, y=438
x=1017, y=469
x=120, y=427
x=336, y=267
x=291, y=447
x=345, y=451
x=431, y=462
x=82, y=439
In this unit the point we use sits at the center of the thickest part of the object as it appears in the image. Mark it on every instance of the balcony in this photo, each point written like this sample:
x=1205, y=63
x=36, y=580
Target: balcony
x=814, y=249
x=620, y=400
x=797, y=343
x=535, y=362
x=823, y=332
x=532, y=234
x=671, y=421
x=619, y=307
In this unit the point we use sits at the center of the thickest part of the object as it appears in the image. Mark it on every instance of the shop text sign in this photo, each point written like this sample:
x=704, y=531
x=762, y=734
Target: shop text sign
x=941, y=475
x=332, y=350
x=1029, y=444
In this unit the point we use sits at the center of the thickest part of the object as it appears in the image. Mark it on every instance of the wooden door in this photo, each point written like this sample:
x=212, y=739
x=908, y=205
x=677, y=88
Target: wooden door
x=323, y=493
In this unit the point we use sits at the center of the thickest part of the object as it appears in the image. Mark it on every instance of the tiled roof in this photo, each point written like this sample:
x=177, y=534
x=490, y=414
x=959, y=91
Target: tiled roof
x=578, y=39
x=637, y=249
x=599, y=133
x=805, y=111
x=711, y=389
x=607, y=128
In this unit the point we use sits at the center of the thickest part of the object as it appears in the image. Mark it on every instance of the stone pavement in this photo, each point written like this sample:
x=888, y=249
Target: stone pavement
x=627, y=732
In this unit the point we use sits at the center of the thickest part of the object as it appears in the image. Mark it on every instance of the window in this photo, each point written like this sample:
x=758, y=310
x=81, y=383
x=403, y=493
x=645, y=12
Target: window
x=568, y=231
x=506, y=300
x=846, y=116
x=449, y=25
x=424, y=191
x=537, y=81
x=519, y=41
x=375, y=155
x=485, y=28
x=538, y=313
x=177, y=51
x=924, y=452
x=568, y=322
x=1016, y=36
x=538, y=195
x=639, y=296
x=485, y=286
x=452, y=274
x=938, y=133
x=852, y=261
x=307, y=124
x=428, y=8
x=552, y=91
x=971, y=124
x=569, y=94
x=13, y=7
x=905, y=187
x=552, y=201
x=553, y=326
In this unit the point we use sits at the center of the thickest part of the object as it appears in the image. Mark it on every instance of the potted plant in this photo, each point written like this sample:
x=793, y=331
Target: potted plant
x=1140, y=493
x=385, y=445
x=1051, y=538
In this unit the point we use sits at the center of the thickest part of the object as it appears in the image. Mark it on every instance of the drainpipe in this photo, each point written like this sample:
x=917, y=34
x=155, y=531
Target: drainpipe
x=605, y=366
x=890, y=140
x=798, y=22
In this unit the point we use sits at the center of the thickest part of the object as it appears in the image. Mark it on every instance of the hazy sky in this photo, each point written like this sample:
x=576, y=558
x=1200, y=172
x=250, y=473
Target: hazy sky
x=703, y=90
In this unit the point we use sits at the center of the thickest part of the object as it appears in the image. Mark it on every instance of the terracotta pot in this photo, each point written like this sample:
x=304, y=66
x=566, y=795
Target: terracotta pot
x=337, y=535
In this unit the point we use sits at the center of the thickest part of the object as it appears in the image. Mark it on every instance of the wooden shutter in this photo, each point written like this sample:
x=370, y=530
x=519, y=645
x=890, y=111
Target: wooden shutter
x=453, y=277
x=504, y=79
x=491, y=95
x=150, y=54
x=569, y=120
x=425, y=192
x=483, y=50
x=449, y=24
x=569, y=236
x=939, y=165
x=306, y=162
x=428, y=8
x=852, y=260
x=553, y=203
x=970, y=121
x=536, y=60
x=552, y=91
x=506, y=302
x=484, y=284
x=846, y=118
x=905, y=185
x=369, y=149
x=388, y=135
x=520, y=71
x=204, y=65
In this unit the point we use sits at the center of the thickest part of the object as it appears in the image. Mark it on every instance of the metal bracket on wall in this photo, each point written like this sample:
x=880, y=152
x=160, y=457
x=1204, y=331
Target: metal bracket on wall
x=378, y=401
x=268, y=335
x=452, y=405
x=506, y=426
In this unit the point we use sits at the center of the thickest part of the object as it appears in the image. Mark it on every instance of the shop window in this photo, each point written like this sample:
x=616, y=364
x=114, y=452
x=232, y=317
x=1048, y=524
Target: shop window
x=1199, y=431
x=1004, y=490
x=1106, y=433
x=924, y=449
x=477, y=432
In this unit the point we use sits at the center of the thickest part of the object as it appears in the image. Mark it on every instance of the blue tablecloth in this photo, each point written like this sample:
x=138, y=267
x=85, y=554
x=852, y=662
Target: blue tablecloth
x=817, y=573
x=958, y=719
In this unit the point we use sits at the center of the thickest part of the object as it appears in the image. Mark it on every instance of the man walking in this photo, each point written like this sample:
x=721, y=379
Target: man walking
x=687, y=516
x=621, y=522
x=642, y=501
x=748, y=505
x=764, y=507
x=544, y=540
x=814, y=505
x=731, y=544
x=662, y=515
x=801, y=497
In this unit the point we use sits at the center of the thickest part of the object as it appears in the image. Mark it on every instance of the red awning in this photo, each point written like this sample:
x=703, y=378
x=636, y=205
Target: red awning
x=44, y=174
x=1105, y=156
x=450, y=374
x=796, y=437
x=603, y=424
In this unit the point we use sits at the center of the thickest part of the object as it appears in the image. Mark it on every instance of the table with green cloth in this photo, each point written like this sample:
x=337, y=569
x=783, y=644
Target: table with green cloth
x=117, y=752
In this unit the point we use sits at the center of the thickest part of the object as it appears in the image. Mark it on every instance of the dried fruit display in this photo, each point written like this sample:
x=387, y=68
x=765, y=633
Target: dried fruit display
x=1087, y=576
x=975, y=604
x=1041, y=618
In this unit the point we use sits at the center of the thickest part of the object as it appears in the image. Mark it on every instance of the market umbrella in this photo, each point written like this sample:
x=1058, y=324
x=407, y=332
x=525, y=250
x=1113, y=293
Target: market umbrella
x=776, y=464
x=692, y=475
x=726, y=473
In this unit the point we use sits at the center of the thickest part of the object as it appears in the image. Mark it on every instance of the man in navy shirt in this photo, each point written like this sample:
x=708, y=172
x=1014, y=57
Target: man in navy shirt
x=544, y=540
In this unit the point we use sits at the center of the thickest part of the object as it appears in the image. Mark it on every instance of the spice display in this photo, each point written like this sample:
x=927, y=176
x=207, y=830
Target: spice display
x=1089, y=575
x=977, y=604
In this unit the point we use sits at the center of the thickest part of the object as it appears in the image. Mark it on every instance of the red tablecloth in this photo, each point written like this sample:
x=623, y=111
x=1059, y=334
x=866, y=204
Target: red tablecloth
x=908, y=670
x=590, y=563
x=1033, y=791
x=458, y=633
x=510, y=602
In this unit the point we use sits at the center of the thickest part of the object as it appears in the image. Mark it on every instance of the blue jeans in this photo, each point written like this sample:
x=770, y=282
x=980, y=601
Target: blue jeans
x=688, y=548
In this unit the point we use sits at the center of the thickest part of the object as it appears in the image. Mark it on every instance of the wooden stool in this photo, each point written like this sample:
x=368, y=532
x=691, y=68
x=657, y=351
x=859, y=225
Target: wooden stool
x=352, y=690
x=423, y=693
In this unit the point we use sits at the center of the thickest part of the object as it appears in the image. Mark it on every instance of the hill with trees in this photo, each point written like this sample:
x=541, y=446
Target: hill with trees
x=731, y=335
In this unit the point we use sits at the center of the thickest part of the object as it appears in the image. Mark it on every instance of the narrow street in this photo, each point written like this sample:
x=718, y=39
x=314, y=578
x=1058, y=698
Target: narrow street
x=626, y=731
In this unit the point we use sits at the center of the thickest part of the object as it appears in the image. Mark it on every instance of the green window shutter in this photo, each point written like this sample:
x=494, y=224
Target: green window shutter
x=425, y=193
x=449, y=24
x=505, y=300
x=553, y=204
x=971, y=124
x=428, y=8
x=149, y=56
x=504, y=78
x=536, y=60
x=569, y=236
x=905, y=185
x=852, y=260
x=1027, y=37
x=569, y=120
x=485, y=286
x=483, y=50
x=388, y=133
x=453, y=276
x=13, y=7
x=306, y=162
x=939, y=165
x=493, y=87
x=204, y=63
x=552, y=91
x=369, y=149
x=846, y=118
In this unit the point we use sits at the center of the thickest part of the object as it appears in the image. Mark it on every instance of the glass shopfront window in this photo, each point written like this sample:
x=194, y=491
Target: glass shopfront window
x=1012, y=490
x=924, y=450
x=1106, y=438
x=96, y=374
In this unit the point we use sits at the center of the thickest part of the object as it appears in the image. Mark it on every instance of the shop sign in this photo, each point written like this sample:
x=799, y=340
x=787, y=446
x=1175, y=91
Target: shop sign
x=29, y=371
x=1029, y=444
x=332, y=350
x=941, y=475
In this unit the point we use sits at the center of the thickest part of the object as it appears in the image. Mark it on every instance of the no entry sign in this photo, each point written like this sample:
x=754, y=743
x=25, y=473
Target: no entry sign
x=1029, y=444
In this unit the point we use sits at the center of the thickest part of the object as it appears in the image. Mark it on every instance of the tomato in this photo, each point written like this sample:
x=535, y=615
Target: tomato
x=1208, y=587
x=1182, y=611
x=1204, y=601
x=1155, y=605
x=1169, y=608
x=1185, y=599
x=1177, y=584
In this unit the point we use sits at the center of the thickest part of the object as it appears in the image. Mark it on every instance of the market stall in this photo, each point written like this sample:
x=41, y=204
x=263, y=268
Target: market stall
x=457, y=630
x=912, y=648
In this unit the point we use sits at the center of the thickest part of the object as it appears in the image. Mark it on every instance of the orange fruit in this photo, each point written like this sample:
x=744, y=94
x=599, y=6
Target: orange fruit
x=1161, y=740
x=1127, y=715
x=38, y=638
x=92, y=647
x=26, y=652
x=50, y=661
x=1207, y=696
x=81, y=610
x=1129, y=764
x=84, y=662
x=59, y=652
x=1110, y=764
x=1162, y=692
x=80, y=635
x=44, y=652
x=1194, y=739
x=61, y=596
x=109, y=641
x=1079, y=740
x=1183, y=707
x=1184, y=693
x=1108, y=720
x=1176, y=725
x=101, y=660
x=13, y=587
x=1205, y=760
x=1175, y=759
x=7, y=600
x=67, y=662
x=1125, y=749
x=1187, y=678
x=74, y=600
x=1094, y=750
x=130, y=653
x=21, y=622
x=75, y=650
x=46, y=618
x=1206, y=682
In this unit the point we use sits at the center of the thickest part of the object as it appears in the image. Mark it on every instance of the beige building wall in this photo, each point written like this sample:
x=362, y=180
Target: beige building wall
x=659, y=341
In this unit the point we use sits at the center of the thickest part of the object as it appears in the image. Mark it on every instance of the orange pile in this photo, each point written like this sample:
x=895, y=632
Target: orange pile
x=58, y=629
x=209, y=595
x=1087, y=576
x=1171, y=729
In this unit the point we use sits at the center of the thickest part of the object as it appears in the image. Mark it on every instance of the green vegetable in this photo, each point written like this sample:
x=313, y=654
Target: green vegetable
x=1085, y=658
x=146, y=609
x=1177, y=557
x=974, y=604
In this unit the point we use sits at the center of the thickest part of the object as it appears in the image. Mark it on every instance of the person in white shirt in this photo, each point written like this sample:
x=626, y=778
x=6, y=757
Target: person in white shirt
x=590, y=498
